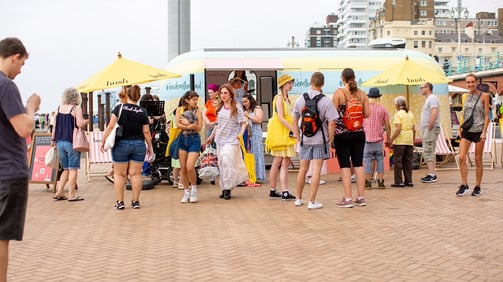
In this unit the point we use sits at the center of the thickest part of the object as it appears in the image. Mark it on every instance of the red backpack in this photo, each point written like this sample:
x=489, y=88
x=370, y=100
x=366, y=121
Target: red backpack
x=353, y=116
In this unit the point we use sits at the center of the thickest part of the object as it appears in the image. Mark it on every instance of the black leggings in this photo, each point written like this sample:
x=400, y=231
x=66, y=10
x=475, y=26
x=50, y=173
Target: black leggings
x=349, y=148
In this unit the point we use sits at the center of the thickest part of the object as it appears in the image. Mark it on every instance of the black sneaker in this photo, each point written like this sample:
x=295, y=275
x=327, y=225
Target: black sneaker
x=429, y=179
x=476, y=191
x=274, y=195
x=463, y=190
x=227, y=194
x=286, y=196
x=135, y=204
x=119, y=205
x=398, y=185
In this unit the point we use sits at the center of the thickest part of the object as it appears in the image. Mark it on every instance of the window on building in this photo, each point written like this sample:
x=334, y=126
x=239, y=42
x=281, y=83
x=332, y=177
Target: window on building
x=424, y=3
x=423, y=44
x=423, y=32
x=388, y=33
x=415, y=32
x=440, y=49
x=430, y=44
x=423, y=13
x=416, y=44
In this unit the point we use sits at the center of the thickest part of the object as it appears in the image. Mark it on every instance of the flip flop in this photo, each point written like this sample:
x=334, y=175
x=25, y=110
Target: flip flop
x=59, y=198
x=76, y=199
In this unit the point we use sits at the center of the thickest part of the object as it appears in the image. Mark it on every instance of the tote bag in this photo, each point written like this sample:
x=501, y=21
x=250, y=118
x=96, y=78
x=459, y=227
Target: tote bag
x=249, y=160
x=80, y=140
x=110, y=141
x=173, y=134
x=278, y=136
x=51, y=158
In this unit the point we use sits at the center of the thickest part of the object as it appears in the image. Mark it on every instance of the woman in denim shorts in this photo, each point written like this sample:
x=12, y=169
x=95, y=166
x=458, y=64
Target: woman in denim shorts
x=129, y=150
x=190, y=120
x=68, y=117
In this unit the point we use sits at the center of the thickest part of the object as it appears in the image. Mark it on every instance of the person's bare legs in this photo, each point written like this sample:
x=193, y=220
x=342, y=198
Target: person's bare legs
x=134, y=172
x=360, y=180
x=346, y=182
x=283, y=173
x=72, y=182
x=273, y=172
x=315, y=179
x=479, y=169
x=464, y=145
x=63, y=179
x=120, y=174
x=301, y=178
x=4, y=259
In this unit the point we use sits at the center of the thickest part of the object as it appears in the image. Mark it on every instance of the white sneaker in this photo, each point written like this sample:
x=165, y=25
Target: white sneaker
x=180, y=186
x=185, y=198
x=299, y=202
x=308, y=181
x=315, y=205
x=193, y=197
x=353, y=178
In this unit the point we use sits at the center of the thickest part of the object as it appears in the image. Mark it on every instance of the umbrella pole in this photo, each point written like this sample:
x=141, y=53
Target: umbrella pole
x=407, y=92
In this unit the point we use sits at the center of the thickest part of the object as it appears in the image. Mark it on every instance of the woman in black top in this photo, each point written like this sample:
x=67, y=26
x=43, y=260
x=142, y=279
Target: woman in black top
x=129, y=151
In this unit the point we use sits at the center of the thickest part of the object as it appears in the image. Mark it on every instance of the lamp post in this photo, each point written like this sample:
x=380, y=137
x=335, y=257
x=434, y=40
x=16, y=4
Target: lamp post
x=456, y=14
x=292, y=43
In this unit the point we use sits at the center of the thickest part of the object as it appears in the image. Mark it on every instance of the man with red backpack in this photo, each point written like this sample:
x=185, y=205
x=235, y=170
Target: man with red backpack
x=317, y=117
x=349, y=141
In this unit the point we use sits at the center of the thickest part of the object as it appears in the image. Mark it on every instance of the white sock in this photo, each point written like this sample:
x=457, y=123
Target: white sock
x=187, y=192
x=194, y=188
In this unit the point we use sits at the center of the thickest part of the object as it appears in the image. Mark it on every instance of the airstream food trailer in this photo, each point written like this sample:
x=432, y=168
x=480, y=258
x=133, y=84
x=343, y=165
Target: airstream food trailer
x=264, y=66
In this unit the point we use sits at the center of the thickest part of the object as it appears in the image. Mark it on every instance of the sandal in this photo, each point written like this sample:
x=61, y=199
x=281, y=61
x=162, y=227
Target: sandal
x=59, y=198
x=254, y=184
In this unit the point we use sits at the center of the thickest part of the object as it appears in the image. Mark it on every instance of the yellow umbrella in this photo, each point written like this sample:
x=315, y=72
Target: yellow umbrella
x=124, y=72
x=408, y=73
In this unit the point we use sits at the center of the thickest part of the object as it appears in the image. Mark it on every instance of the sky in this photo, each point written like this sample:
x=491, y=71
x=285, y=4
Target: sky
x=69, y=41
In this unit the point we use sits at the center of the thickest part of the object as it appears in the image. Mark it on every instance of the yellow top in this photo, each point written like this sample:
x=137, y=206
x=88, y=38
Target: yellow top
x=406, y=136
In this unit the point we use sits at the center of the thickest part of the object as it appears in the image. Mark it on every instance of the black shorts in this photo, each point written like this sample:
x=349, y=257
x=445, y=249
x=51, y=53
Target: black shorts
x=471, y=136
x=13, y=201
x=349, y=148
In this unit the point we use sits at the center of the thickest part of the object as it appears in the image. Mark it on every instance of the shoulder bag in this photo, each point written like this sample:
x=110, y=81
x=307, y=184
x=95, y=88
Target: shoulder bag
x=278, y=137
x=468, y=123
x=80, y=141
x=116, y=132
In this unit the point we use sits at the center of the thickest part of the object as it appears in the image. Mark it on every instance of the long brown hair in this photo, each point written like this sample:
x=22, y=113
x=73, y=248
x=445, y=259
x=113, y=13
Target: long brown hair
x=233, y=107
x=348, y=75
x=187, y=96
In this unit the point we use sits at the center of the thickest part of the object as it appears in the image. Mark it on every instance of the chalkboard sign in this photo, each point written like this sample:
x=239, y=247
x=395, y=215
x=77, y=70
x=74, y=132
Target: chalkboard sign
x=38, y=171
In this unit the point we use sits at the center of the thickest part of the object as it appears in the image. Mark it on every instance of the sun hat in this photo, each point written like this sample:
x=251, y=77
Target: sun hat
x=284, y=79
x=374, y=93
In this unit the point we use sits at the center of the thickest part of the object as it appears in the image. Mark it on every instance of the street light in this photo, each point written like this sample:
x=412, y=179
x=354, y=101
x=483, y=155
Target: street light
x=292, y=43
x=456, y=14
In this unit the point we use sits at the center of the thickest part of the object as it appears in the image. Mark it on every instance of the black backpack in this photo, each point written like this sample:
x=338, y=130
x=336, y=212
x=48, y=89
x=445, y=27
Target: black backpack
x=310, y=118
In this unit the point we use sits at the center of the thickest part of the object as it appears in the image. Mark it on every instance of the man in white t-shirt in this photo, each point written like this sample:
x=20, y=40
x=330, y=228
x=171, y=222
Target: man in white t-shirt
x=430, y=128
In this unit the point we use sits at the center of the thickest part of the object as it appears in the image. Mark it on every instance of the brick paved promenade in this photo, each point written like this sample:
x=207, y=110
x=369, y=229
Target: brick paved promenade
x=423, y=233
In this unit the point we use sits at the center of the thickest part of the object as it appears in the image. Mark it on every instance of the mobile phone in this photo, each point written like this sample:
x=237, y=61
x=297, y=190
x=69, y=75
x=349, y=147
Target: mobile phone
x=290, y=134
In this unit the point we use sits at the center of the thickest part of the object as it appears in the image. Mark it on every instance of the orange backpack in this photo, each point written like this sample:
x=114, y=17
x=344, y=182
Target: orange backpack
x=353, y=116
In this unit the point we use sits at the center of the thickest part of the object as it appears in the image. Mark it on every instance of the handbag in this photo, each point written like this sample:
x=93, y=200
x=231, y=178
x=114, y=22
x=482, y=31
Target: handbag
x=80, y=141
x=468, y=123
x=278, y=136
x=249, y=160
x=51, y=158
x=115, y=134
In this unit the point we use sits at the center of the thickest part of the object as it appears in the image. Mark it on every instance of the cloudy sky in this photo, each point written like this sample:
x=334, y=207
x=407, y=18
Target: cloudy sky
x=69, y=41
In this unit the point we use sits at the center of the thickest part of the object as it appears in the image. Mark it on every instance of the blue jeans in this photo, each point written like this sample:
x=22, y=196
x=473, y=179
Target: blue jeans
x=126, y=150
x=69, y=158
x=373, y=151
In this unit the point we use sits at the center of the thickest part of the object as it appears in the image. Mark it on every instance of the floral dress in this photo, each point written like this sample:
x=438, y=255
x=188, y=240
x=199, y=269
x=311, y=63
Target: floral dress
x=257, y=149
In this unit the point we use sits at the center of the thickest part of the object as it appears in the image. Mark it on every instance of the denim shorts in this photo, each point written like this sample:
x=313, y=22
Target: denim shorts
x=373, y=151
x=190, y=143
x=13, y=201
x=69, y=158
x=126, y=150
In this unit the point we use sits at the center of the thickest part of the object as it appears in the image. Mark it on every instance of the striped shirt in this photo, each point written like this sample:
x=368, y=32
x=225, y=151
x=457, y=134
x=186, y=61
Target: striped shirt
x=228, y=127
x=374, y=124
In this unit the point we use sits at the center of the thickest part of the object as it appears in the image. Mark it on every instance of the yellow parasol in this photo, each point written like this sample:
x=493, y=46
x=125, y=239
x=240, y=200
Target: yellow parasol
x=124, y=72
x=408, y=73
